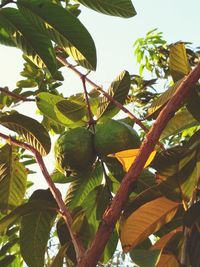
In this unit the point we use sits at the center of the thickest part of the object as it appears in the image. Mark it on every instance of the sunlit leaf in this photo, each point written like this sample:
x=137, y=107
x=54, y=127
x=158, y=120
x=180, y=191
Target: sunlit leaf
x=127, y=157
x=63, y=27
x=13, y=178
x=30, y=130
x=7, y=260
x=118, y=90
x=121, y=8
x=26, y=37
x=178, y=61
x=146, y=220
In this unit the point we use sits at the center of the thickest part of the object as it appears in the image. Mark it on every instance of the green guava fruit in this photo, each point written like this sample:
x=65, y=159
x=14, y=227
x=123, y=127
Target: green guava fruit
x=74, y=151
x=113, y=136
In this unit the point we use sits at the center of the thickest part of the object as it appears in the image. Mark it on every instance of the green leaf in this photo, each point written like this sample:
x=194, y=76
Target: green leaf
x=193, y=102
x=26, y=38
x=120, y=8
x=178, y=61
x=5, y=38
x=13, y=216
x=30, y=130
x=160, y=102
x=145, y=258
x=110, y=247
x=35, y=230
x=13, y=178
x=7, y=260
x=73, y=110
x=29, y=83
x=63, y=28
x=46, y=103
x=118, y=90
x=83, y=185
x=181, y=121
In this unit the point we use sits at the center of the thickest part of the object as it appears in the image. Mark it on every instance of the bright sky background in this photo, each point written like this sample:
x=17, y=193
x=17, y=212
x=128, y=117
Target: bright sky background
x=114, y=38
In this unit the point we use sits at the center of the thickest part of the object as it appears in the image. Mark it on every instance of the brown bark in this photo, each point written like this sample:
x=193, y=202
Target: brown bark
x=112, y=214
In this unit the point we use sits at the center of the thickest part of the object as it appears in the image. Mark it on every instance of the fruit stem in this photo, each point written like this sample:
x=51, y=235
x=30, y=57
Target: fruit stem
x=109, y=97
x=91, y=121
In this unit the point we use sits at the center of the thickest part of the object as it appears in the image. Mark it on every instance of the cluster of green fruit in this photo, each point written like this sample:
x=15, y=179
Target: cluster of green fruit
x=76, y=150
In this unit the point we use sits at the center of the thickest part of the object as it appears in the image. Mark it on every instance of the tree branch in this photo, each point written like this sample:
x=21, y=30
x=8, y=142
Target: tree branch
x=54, y=190
x=113, y=212
x=16, y=96
x=115, y=102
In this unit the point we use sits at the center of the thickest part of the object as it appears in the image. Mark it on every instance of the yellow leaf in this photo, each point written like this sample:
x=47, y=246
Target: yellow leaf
x=146, y=220
x=127, y=157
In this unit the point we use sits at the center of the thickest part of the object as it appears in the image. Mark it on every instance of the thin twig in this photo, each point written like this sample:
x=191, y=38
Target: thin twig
x=16, y=96
x=54, y=190
x=115, y=102
x=113, y=212
x=91, y=119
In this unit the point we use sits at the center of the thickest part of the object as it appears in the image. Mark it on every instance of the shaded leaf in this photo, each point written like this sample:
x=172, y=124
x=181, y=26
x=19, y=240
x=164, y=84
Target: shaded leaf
x=63, y=27
x=13, y=177
x=35, y=229
x=192, y=215
x=118, y=90
x=73, y=110
x=7, y=260
x=181, y=121
x=58, y=260
x=178, y=61
x=193, y=102
x=122, y=8
x=194, y=247
x=82, y=186
x=145, y=258
x=145, y=221
x=24, y=209
x=30, y=130
x=127, y=157
x=26, y=37
x=162, y=100
x=110, y=247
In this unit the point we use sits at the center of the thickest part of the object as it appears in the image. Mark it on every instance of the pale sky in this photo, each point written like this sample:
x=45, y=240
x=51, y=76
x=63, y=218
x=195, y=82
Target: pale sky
x=114, y=38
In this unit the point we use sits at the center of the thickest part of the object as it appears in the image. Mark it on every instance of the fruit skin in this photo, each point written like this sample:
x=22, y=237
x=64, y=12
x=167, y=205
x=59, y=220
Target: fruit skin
x=113, y=136
x=74, y=150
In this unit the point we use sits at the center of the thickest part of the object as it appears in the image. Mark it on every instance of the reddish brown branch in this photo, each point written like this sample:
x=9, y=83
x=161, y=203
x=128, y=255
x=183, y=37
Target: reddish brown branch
x=16, y=96
x=56, y=193
x=113, y=212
